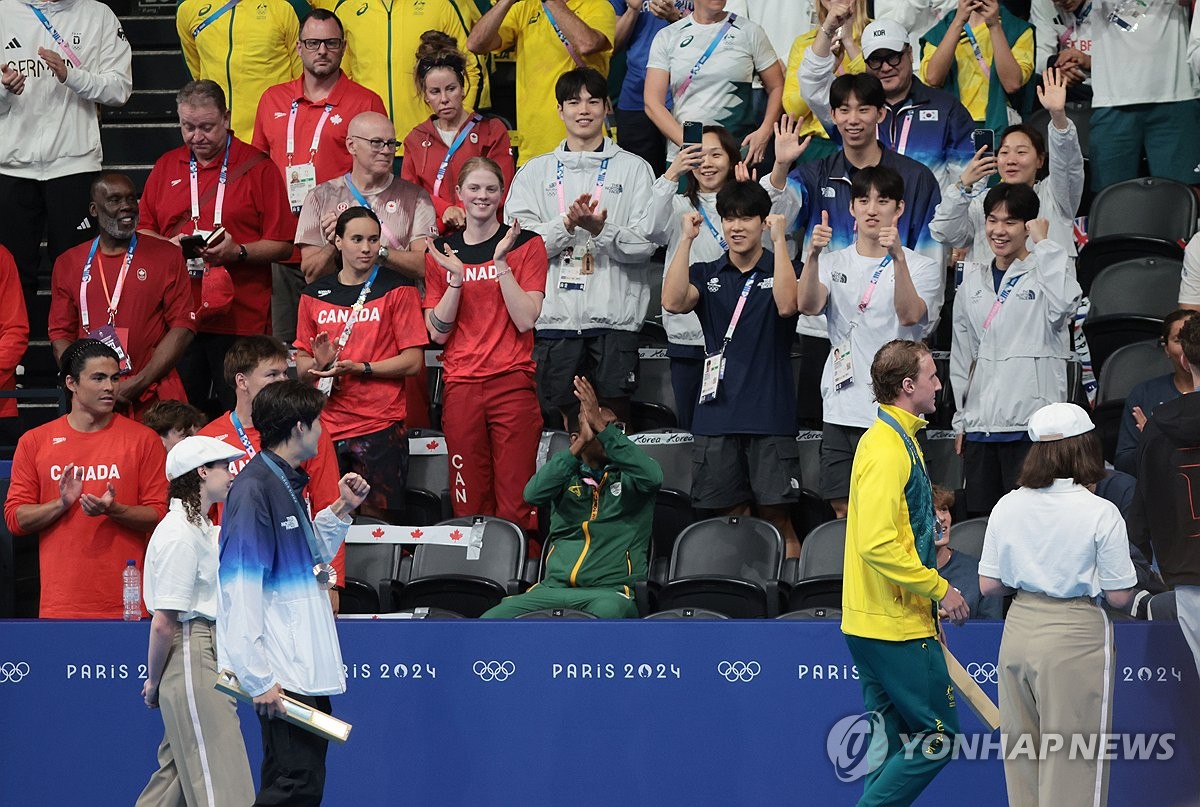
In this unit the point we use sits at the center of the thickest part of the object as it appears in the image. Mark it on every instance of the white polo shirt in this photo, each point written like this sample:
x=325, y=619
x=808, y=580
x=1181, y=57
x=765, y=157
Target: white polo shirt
x=847, y=275
x=1146, y=65
x=181, y=566
x=1062, y=541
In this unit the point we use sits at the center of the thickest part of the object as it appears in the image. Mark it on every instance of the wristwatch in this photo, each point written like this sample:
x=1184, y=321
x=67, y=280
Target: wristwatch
x=367, y=368
x=383, y=253
x=242, y=253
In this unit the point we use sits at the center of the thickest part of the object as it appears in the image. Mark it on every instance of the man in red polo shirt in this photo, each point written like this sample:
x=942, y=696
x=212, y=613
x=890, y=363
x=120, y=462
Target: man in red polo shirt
x=141, y=304
x=217, y=181
x=301, y=125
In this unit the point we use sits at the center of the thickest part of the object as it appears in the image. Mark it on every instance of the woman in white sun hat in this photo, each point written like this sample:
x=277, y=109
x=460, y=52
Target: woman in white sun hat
x=1057, y=546
x=202, y=758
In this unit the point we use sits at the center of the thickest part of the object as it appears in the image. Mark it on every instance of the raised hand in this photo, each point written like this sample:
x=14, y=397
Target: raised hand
x=990, y=11
x=589, y=404
x=70, y=485
x=455, y=218
x=777, y=224
x=889, y=237
x=788, y=146
x=983, y=164
x=1052, y=93
x=450, y=262
x=755, y=144
x=822, y=234
x=687, y=159
x=1038, y=229
x=689, y=225
x=586, y=213
x=742, y=173
x=353, y=490
x=324, y=351
x=56, y=63
x=506, y=243
x=839, y=14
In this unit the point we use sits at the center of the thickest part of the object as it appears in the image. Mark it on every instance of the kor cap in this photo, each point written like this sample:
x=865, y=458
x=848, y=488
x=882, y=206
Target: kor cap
x=192, y=452
x=1058, y=421
x=883, y=35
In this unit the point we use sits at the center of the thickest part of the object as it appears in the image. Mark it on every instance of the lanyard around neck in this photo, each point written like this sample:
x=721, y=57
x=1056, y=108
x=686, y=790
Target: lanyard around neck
x=454, y=147
x=316, y=138
x=113, y=301
x=71, y=55
x=597, y=192
x=194, y=184
x=388, y=235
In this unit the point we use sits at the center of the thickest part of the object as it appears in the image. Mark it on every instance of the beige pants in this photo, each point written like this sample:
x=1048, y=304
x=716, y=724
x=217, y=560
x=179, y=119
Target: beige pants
x=202, y=759
x=1057, y=670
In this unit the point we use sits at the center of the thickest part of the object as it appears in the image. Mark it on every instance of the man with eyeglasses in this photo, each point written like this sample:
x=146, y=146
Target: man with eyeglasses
x=302, y=126
x=243, y=47
x=927, y=124
x=405, y=211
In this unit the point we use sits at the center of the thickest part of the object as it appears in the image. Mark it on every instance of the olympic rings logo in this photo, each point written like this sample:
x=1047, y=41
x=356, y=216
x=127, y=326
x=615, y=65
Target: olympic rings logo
x=986, y=673
x=13, y=673
x=494, y=670
x=744, y=671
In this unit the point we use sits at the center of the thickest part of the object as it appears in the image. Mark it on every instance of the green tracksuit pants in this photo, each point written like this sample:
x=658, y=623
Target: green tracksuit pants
x=605, y=603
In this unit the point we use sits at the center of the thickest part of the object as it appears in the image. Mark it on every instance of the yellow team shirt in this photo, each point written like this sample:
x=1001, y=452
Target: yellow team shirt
x=541, y=58
x=793, y=101
x=382, y=37
x=973, y=85
x=265, y=33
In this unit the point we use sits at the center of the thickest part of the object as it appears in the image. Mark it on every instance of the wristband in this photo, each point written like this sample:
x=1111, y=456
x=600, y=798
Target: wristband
x=367, y=368
x=243, y=254
x=451, y=285
x=507, y=271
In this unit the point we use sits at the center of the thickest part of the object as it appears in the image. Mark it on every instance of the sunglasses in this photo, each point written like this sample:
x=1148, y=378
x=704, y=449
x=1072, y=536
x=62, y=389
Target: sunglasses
x=880, y=57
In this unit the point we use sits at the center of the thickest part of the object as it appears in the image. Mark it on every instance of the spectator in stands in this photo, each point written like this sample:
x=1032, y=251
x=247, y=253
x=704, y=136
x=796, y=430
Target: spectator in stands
x=406, y=212
x=253, y=363
x=1189, y=280
x=438, y=147
x=871, y=293
x=359, y=333
x=839, y=28
x=705, y=64
x=274, y=627
x=484, y=288
x=243, y=51
x=783, y=21
x=914, y=17
x=1063, y=30
x=601, y=497
x=597, y=238
x=214, y=182
x=745, y=424
x=1009, y=355
x=959, y=569
x=49, y=130
x=637, y=25
x=302, y=125
x=550, y=38
x=1147, y=396
x=1022, y=159
x=14, y=339
x=202, y=757
x=1162, y=520
x=172, y=421
x=383, y=40
x=984, y=55
x=91, y=485
x=891, y=584
x=927, y=124
x=708, y=167
x=141, y=308
x=1057, y=547
x=1146, y=97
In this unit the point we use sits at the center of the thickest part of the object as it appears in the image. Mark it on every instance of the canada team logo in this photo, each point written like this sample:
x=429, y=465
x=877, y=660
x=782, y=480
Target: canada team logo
x=857, y=745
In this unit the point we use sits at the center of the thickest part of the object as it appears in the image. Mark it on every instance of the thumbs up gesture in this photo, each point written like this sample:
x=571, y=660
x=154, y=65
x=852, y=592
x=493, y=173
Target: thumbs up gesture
x=889, y=236
x=822, y=234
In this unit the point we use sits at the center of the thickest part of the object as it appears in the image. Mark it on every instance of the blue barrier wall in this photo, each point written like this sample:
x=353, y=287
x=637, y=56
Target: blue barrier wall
x=559, y=713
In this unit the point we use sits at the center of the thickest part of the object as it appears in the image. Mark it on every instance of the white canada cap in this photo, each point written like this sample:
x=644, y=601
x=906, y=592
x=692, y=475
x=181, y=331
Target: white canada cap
x=1057, y=421
x=192, y=452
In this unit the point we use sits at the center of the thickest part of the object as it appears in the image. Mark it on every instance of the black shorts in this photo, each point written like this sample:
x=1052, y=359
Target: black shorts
x=740, y=468
x=838, y=444
x=382, y=459
x=609, y=360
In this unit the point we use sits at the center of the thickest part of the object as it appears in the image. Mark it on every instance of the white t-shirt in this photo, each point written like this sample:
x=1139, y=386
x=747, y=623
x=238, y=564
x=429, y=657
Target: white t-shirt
x=181, y=566
x=1189, y=282
x=783, y=20
x=1062, y=541
x=1146, y=65
x=720, y=92
x=847, y=275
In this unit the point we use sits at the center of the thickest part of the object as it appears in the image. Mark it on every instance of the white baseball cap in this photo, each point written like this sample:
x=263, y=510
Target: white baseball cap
x=192, y=452
x=883, y=35
x=1058, y=421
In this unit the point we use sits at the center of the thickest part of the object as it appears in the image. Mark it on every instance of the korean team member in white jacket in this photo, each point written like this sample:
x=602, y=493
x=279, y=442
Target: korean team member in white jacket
x=1009, y=355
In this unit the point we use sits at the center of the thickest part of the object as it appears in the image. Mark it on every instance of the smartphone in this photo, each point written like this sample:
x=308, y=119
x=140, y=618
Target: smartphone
x=693, y=134
x=192, y=246
x=983, y=138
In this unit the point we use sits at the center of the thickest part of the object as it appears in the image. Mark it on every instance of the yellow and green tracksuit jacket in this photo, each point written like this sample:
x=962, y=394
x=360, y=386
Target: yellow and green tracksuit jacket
x=599, y=533
x=889, y=586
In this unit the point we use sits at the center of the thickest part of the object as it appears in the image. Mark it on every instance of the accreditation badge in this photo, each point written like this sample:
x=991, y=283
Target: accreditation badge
x=300, y=180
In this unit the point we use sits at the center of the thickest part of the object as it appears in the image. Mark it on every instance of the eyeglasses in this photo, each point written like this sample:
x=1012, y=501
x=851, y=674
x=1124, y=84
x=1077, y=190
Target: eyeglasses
x=315, y=44
x=377, y=144
x=877, y=59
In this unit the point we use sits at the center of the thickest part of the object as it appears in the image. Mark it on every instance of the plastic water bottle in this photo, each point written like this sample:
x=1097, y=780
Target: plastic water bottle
x=132, y=586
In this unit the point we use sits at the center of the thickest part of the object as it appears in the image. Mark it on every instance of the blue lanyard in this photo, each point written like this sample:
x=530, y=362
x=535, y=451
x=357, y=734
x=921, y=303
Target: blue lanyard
x=712, y=46
x=870, y=290
x=1000, y=299
x=562, y=37
x=216, y=15
x=241, y=433
x=716, y=234
x=983, y=65
x=72, y=57
x=301, y=513
x=357, y=194
x=87, y=278
x=454, y=147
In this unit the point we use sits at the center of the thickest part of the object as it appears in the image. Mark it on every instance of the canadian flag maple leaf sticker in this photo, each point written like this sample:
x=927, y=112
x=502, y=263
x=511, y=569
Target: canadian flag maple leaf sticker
x=416, y=533
x=431, y=445
x=377, y=532
x=456, y=535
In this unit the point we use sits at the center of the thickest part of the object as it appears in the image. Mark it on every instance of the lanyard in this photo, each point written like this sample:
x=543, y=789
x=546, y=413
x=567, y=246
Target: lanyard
x=458, y=141
x=902, y=143
x=1080, y=16
x=562, y=37
x=393, y=242
x=291, y=132
x=983, y=65
x=354, y=309
x=870, y=290
x=71, y=55
x=1000, y=300
x=216, y=15
x=195, y=187
x=597, y=192
x=716, y=234
x=301, y=513
x=712, y=46
x=737, y=309
x=115, y=300
x=241, y=433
